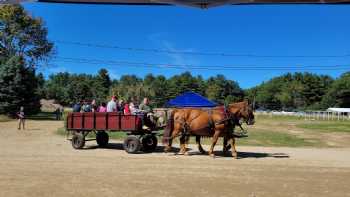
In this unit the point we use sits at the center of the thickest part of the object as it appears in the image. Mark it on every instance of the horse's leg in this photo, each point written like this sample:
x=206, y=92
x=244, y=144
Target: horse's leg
x=214, y=140
x=167, y=147
x=224, y=148
x=182, y=145
x=198, y=141
x=233, y=145
x=187, y=139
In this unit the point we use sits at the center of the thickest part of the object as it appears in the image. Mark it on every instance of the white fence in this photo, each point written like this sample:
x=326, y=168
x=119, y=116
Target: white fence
x=311, y=115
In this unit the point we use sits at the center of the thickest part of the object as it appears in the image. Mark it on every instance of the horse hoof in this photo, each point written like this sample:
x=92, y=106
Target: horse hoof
x=186, y=154
x=180, y=153
x=167, y=149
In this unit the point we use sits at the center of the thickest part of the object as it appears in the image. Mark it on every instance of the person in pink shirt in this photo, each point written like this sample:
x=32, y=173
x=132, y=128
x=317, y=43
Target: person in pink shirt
x=127, y=109
x=102, y=108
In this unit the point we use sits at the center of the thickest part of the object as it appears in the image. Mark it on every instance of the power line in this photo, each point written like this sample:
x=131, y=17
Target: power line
x=222, y=54
x=194, y=67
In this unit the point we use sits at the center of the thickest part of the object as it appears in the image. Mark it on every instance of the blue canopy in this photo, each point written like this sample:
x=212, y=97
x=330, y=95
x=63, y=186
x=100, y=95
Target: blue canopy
x=190, y=99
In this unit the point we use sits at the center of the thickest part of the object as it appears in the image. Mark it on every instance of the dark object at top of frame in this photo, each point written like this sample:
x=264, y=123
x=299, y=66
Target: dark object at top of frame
x=204, y=4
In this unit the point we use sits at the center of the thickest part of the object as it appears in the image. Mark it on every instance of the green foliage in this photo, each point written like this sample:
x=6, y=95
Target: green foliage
x=222, y=90
x=22, y=35
x=292, y=91
x=68, y=88
x=102, y=83
x=339, y=93
x=23, y=44
x=18, y=87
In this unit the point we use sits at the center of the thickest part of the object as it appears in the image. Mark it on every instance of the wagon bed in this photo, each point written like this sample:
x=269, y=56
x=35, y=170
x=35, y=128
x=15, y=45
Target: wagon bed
x=79, y=125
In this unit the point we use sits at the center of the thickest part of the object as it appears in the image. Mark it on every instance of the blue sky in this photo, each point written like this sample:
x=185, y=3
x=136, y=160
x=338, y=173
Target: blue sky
x=261, y=30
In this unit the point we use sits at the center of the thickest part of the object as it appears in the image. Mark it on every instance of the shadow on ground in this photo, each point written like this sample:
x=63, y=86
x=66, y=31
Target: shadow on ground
x=175, y=150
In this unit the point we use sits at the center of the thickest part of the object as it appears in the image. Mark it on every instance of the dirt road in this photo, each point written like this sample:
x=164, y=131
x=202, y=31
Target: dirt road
x=37, y=162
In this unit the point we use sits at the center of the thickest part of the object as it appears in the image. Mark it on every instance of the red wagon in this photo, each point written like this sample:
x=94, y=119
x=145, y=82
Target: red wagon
x=99, y=123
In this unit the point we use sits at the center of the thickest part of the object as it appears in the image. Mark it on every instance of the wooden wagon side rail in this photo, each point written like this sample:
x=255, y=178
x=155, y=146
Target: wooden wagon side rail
x=111, y=121
x=81, y=124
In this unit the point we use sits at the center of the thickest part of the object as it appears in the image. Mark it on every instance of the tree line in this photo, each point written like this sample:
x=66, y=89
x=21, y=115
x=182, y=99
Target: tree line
x=69, y=88
x=24, y=45
x=291, y=91
x=302, y=91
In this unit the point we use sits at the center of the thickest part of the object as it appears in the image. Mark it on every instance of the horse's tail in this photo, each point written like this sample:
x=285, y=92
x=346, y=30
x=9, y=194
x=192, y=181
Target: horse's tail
x=169, y=129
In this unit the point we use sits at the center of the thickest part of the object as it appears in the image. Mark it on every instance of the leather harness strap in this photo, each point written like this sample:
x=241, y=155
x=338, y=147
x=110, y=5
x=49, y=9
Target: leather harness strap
x=211, y=123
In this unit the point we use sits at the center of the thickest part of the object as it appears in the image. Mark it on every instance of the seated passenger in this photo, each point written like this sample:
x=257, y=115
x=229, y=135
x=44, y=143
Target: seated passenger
x=112, y=105
x=93, y=105
x=102, y=108
x=77, y=106
x=120, y=107
x=86, y=107
x=145, y=107
x=127, y=109
x=149, y=118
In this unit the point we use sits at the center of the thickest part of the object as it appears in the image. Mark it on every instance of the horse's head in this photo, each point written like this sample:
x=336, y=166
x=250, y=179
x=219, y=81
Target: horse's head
x=242, y=110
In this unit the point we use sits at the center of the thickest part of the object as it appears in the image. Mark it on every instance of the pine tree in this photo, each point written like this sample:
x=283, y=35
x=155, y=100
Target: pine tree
x=18, y=87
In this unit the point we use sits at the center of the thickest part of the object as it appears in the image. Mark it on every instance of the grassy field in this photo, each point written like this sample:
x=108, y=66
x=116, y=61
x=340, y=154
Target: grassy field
x=273, y=138
x=339, y=126
x=4, y=118
x=282, y=131
x=38, y=116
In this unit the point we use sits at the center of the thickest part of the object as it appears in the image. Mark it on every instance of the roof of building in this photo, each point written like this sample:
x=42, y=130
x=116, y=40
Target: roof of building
x=334, y=109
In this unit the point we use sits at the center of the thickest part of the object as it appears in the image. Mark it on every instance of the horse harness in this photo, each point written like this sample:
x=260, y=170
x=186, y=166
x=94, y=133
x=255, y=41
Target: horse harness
x=228, y=118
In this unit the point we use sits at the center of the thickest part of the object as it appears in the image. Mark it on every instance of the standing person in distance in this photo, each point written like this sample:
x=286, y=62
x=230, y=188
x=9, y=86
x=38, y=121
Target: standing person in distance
x=20, y=116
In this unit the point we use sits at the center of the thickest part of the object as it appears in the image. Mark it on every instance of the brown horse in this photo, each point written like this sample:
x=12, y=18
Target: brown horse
x=217, y=122
x=238, y=112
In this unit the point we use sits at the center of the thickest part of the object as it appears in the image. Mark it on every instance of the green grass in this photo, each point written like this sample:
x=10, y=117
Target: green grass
x=263, y=117
x=4, y=118
x=326, y=126
x=42, y=116
x=271, y=138
x=274, y=131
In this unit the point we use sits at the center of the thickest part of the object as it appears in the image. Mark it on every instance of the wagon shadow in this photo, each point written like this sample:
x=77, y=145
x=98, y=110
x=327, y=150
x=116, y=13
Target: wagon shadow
x=119, y=146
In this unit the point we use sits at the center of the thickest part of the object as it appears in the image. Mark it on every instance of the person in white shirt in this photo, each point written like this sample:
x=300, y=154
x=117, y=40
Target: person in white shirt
x=112, y=105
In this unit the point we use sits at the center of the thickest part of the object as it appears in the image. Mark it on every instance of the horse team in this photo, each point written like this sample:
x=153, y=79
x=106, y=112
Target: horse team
x=215, y=123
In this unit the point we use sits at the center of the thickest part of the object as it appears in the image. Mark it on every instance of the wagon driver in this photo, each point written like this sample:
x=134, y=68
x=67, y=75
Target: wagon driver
x=147, y=110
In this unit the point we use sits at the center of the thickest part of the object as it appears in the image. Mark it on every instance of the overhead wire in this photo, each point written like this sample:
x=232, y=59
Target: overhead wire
x=223, y=54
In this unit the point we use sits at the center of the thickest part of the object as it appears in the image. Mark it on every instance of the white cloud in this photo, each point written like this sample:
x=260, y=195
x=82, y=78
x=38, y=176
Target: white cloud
x=113, y=74
x=176, y=58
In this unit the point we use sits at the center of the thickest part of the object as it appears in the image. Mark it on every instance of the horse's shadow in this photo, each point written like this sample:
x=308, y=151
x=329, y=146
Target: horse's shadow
x=245, y=155
x=175, y=150
x=257, y=155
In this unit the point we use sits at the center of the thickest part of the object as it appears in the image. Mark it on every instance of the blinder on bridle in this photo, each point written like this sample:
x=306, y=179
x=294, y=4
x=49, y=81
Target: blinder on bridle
x=250, y=116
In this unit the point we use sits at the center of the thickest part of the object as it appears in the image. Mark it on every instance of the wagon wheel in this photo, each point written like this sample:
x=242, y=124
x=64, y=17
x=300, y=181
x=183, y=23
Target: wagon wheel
x=78, y=141
x=132, y=144
x=102, y=138
x=149, y=143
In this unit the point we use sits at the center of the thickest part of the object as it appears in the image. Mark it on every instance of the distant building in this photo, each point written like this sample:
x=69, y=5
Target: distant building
x=334, y=109
x=344, y=111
